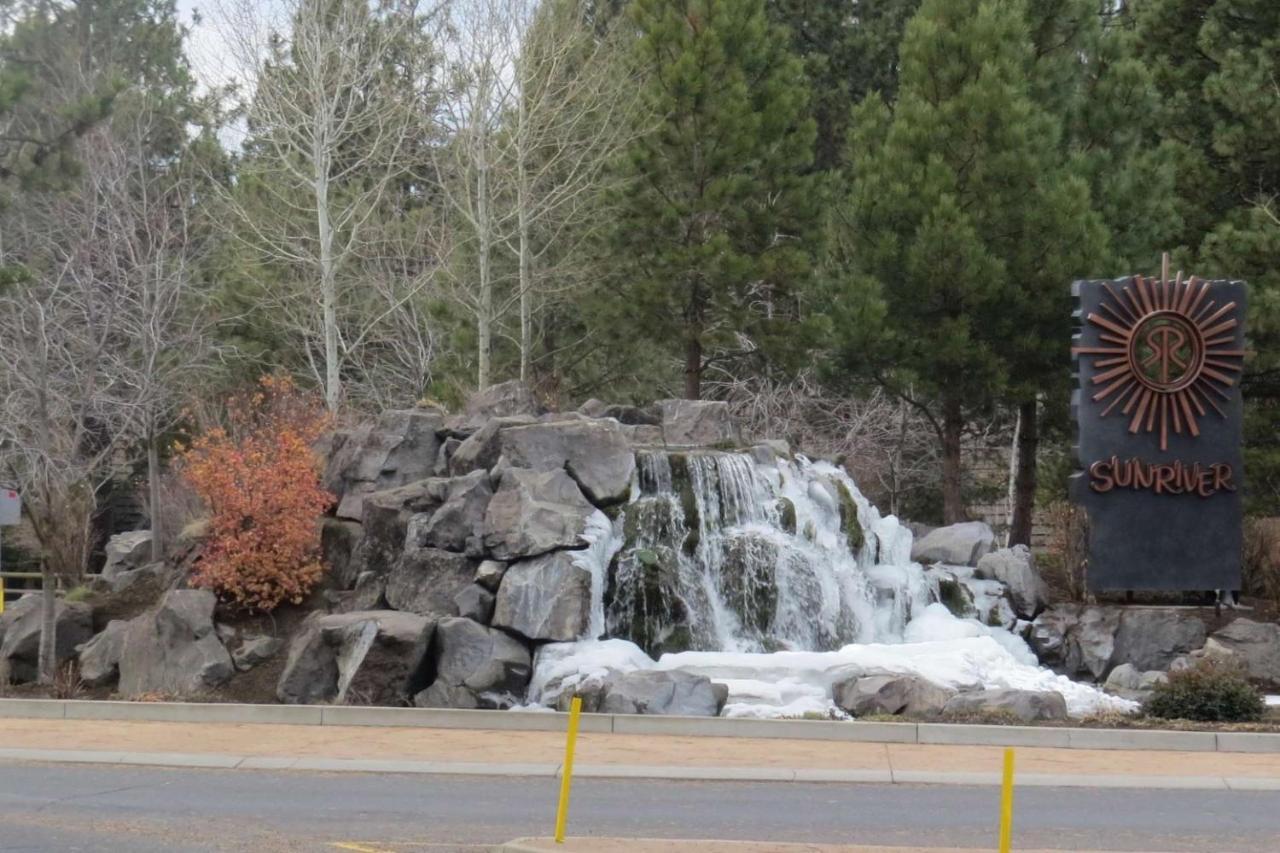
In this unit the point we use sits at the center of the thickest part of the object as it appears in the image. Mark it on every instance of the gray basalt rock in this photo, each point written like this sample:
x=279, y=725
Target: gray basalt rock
x=534, y=512
x=546, y=598
x=697, y=423
x=458, y=523
x=596, y=454
x=174, y=649
x=1150, y=638
x=339, y=541
x=20, y=634
x=255, y=650
x=475, y=603
x=482, y=449
x=126, y=551
x=399, y=447
x=1026, y=705
x=961, y=544
x=502, y=400
x=475, y=667
x=891, y=694
x=371, y=657
x=367, y=594
x=1015, y=567
x=1076, y=640
x=426, y=581
x=489, y=574
x=100, y=656
x=386, y=523
x=662, y=692
x=1256, y=645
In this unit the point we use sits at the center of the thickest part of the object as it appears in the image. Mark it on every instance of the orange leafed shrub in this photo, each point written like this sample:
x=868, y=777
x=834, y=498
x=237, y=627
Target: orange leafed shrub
x=260, y=480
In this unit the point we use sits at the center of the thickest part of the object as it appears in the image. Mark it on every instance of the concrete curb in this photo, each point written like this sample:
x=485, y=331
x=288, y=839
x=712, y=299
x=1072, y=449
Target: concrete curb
x=869, y=732
x=219, y=761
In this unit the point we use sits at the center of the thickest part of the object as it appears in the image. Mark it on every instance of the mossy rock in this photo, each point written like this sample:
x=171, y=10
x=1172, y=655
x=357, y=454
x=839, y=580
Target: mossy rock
x=642, y=599
x=683, y=485
x=956, y=597
x=787, y=515
x=749, y=582
x=849, y=518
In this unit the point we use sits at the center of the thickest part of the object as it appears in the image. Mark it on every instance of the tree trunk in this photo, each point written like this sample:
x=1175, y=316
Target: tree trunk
x=484, y=319
x=328, y=286
x=153, y=489
x=952, y=493
x=1024, y=484
x=526, y=293
x=693, y=368
x=46, y=662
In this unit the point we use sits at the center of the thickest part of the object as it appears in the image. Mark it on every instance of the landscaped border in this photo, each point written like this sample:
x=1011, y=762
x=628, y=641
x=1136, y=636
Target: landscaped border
x=956, y=734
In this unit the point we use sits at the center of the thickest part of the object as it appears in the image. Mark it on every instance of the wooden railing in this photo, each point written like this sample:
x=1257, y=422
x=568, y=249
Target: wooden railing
x=12, y=591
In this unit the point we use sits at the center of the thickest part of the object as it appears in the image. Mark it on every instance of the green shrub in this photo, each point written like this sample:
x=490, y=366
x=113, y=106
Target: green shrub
x=1212, y=691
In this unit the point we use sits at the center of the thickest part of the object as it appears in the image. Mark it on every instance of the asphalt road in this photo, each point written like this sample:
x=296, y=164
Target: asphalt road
x=74, y=807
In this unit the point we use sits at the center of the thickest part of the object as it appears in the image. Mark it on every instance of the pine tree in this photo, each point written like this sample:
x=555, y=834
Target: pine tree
x=1216, y=63
x=713, y=237
x=963, y=224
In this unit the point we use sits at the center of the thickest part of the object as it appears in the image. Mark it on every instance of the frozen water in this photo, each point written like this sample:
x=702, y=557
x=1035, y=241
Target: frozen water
x=779, y=579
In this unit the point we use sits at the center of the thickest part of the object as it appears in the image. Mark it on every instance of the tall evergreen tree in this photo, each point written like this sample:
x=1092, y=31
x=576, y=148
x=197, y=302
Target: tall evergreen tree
x=1217, y=63
x=963, y=223
x=713, y=238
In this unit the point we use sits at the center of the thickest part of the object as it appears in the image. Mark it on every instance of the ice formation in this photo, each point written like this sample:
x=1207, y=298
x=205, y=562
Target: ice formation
x=777, y=577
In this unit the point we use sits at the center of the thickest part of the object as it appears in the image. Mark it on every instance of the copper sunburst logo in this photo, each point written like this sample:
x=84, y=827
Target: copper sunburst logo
x=1167, y=354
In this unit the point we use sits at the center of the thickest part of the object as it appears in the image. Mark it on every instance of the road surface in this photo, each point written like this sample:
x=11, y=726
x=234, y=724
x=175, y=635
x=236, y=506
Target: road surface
x=98, y=808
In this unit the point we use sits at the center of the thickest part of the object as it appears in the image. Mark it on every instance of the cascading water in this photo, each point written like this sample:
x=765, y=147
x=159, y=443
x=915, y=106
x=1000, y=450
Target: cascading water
x=777, y=579
x=746, y=552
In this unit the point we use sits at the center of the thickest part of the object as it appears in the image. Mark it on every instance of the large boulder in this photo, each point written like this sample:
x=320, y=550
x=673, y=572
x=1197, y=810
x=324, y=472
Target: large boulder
x=475, y=667
x=126, y=551
x=891, y=694
x=426, y=581
x=534, y=512
x=339, y=543
x=374, y=657
x=100, y=656
x=961, y=544
x=595, y=454
x=1129, y=682
x=20, y=634
x=697, y=423
x=546, y=598
x=482, y=448
x=662, y=692
x=1256, y=645
x=1150, y=638
x=1088, y=641
x=398, y=448
x=1016, y=568
x=1076, y=640
x=174, y=650
x=458, y=523
x=502, y=400
x=1026, y=705
x=386, y=521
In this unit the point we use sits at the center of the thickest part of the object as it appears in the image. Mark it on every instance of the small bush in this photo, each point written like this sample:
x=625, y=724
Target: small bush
x=1065, y=564
x=1210, y=691
x=1262, y=558
x=259, y=477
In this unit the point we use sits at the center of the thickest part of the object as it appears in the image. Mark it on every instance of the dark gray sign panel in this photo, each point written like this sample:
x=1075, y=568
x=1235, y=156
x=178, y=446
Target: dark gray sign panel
x=1158, y=416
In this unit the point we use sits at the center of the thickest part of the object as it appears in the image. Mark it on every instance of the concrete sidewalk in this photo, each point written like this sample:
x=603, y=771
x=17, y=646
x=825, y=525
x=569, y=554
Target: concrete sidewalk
x=681, y=845
x=400, y=749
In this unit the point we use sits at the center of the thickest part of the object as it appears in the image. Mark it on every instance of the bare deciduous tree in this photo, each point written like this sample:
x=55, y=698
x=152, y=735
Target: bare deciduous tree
x=332, y=123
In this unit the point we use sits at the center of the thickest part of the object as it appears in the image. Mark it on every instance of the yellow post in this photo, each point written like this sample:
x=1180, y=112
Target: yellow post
x=1006, y=804
x=1, y=596
x=566, y=776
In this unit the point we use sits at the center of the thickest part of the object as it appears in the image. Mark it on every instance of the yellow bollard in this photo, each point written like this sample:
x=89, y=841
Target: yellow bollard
x=1, y=596
x=566, y=777
x=1006, y=804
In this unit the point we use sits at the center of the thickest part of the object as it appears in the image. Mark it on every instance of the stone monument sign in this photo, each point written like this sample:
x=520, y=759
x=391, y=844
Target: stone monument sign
x=1158, y=417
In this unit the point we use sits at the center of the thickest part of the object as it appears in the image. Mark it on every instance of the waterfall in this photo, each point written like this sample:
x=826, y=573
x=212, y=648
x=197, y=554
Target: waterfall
x=750, y=552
